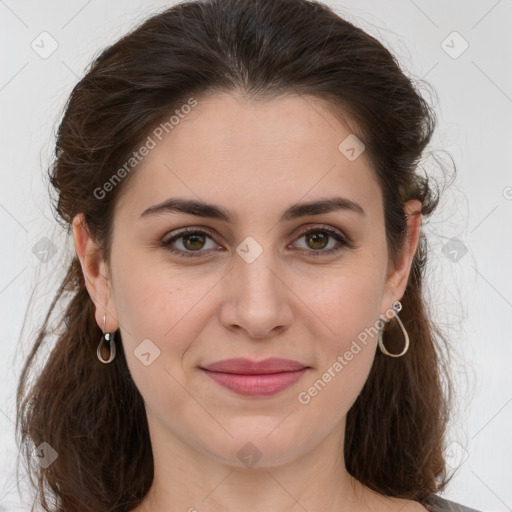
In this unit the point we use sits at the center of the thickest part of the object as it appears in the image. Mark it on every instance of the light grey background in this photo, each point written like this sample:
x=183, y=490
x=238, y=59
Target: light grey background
x=471, y=297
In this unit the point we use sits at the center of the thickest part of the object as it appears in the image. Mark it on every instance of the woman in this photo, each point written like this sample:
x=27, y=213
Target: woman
x=244, y=325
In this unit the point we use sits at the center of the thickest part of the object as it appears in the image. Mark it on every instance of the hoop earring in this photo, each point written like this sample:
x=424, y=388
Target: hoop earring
x=397, y=306
x=108, y=339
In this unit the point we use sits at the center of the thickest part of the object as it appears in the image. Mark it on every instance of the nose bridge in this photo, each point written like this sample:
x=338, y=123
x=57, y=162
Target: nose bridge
x=256, y=299
x=255, y=267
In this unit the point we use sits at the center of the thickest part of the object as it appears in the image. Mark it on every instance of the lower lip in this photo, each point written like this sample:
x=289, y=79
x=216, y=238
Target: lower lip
x=256, y=385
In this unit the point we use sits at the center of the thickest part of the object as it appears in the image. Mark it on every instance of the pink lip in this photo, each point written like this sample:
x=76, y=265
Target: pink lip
x=256, y=378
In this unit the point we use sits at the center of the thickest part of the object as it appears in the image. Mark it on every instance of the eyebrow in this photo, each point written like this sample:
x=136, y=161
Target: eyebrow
x=202, y=209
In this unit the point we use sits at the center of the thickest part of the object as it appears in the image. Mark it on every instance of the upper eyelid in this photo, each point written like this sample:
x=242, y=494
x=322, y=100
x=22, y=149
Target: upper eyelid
x=184, y=231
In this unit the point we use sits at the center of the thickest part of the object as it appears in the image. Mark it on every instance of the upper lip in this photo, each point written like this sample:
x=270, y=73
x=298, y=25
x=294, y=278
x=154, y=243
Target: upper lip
x=248, y=367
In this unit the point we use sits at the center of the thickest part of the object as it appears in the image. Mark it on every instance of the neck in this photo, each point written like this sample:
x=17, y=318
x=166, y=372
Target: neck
x=190, y=480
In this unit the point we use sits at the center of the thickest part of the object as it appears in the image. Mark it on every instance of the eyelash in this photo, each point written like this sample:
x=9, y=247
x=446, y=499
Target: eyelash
x=342, y=242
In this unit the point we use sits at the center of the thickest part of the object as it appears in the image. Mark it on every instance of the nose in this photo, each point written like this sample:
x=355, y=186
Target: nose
x=256, y=300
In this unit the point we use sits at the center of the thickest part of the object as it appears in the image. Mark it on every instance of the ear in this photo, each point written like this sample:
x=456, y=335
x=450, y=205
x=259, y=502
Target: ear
x=398, y=275
x=96, y=275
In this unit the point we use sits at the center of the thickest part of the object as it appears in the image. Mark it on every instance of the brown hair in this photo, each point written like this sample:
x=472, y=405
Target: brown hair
x=92, y=414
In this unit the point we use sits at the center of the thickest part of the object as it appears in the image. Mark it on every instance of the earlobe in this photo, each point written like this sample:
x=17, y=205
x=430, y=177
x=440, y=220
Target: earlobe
x=95, y=272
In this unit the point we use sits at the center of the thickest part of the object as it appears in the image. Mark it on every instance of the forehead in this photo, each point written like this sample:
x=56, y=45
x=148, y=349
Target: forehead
x=243, y=153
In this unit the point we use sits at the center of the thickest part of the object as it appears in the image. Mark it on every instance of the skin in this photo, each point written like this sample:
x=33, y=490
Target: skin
x=256, y=159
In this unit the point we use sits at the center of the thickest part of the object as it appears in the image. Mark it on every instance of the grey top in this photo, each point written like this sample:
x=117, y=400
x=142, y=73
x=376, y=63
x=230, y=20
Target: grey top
x=438, y=504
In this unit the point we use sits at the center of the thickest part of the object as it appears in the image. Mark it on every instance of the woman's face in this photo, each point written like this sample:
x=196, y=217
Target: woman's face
x=253, y=286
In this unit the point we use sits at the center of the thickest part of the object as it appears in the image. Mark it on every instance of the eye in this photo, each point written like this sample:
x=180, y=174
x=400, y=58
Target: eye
x=318, y=239
x=192, y=241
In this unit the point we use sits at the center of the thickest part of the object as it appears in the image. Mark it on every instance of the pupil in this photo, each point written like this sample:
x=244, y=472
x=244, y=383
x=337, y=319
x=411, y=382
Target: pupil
x=318, y=237
x=187, y=238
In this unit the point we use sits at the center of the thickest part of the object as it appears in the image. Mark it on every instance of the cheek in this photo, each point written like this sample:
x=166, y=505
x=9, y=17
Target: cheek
x=151, y=307
x=159, y=317
x=162, y=305
x=344, y=304
x=347, y=311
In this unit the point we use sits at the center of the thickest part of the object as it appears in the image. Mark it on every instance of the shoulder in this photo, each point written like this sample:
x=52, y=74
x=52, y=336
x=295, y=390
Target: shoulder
x=393, y=504
x=435, y=504
x=438, y=504
x=404, y=505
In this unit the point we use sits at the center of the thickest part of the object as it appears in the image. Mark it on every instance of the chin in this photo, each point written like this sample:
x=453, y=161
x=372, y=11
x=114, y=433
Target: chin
x=262, y=448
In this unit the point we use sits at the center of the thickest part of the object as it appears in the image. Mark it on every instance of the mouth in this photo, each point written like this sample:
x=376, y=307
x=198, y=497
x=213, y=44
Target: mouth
x=253, y=378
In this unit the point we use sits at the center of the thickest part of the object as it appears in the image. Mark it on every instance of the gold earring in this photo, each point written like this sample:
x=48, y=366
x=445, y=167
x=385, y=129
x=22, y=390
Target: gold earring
x=108, y=339
x=397, y=306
